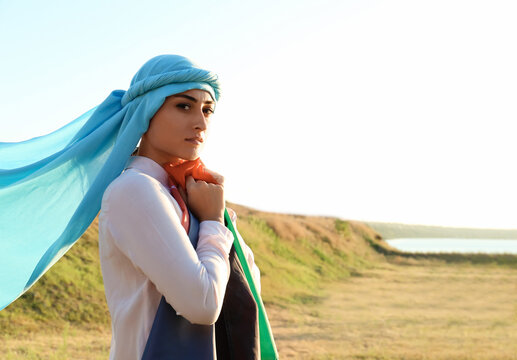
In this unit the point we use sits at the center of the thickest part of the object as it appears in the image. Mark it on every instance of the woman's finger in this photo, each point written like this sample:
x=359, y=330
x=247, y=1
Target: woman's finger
x=189, y=180
x=218, y=177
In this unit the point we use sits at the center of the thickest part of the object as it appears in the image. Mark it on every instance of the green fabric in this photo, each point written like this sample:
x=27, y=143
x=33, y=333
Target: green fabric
x=267, y=342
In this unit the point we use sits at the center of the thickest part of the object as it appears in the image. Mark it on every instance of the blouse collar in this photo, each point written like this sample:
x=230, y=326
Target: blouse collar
x=149, y=167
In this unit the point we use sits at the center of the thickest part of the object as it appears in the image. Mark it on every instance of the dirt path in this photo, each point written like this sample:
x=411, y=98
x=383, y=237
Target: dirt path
x=434, y=311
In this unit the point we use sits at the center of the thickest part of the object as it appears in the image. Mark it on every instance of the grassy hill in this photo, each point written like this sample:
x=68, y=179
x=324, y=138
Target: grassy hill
x=333, y=290
x=296, y=255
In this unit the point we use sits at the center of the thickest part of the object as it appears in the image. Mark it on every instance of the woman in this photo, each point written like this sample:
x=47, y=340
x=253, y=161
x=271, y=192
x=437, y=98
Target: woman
x=156, y=257
x=145, y=252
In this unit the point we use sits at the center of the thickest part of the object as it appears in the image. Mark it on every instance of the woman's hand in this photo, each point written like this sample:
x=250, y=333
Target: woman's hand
x=206, y=200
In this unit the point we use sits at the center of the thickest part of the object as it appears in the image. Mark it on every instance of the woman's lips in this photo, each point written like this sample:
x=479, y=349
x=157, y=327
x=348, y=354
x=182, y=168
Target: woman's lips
x=195, y=141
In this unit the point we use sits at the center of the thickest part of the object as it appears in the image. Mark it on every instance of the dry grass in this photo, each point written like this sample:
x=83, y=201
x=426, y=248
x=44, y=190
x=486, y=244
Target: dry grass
x=421, y=311
x=329, y=295
x=395, y=311
x=71, y=343
x=294, y=229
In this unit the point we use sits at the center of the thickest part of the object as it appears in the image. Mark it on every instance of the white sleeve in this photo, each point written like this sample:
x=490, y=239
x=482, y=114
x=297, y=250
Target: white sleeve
x=147, y=229
x=255, y=272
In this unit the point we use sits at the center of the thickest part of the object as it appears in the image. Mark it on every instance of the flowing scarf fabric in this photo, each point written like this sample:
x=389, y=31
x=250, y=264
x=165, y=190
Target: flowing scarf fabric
x=51, y=186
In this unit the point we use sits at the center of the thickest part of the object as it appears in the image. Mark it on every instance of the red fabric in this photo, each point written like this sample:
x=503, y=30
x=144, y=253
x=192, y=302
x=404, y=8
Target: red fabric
x=178, y=172
x=185, y=218
x=195, y=168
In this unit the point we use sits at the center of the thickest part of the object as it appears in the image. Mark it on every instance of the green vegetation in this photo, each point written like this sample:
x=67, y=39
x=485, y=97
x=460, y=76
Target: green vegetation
x=70, y=293
x=297, y=254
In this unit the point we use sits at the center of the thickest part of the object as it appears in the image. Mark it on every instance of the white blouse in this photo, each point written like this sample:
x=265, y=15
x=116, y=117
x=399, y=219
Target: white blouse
x=145, y=252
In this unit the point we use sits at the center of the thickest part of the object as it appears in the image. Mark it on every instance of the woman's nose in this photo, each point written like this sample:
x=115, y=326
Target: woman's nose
x=201, y=121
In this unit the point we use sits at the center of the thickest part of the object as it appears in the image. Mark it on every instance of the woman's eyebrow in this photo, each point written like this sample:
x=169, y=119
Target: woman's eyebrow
x=191, y=98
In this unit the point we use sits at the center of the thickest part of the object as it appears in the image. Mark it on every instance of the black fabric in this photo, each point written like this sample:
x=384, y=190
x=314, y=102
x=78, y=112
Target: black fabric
x=235, y=335
x=236, y=330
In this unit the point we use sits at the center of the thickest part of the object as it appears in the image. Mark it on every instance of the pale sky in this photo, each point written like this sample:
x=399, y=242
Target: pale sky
x=395, y=110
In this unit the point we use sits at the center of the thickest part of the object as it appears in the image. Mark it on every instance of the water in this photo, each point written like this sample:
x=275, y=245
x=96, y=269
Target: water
x=434, y=245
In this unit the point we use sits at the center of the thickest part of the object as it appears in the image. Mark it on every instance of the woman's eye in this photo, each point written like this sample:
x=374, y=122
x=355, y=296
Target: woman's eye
x=208, y=111
x=184, y=106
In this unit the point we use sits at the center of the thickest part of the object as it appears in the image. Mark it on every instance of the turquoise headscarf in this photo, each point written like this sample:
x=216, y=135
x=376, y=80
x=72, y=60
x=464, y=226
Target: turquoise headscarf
x=51, y=186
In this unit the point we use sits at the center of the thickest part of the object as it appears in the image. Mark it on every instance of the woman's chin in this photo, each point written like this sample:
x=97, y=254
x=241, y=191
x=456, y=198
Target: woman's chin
x=193, y=156
x=189, y=157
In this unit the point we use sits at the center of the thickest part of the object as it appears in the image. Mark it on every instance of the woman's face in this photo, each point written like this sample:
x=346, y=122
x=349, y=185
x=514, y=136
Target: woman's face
x=178, y=129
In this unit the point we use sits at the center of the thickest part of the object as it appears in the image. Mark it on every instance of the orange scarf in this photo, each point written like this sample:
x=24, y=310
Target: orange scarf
x=178, y=172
